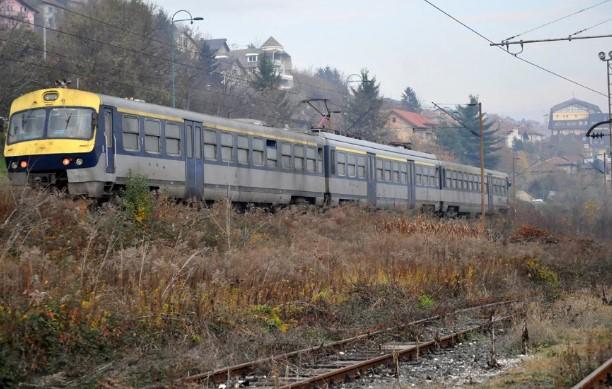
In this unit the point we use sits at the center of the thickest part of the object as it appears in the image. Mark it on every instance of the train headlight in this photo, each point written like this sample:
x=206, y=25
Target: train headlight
x=79, y=161
x=23, y=164
x=14, y=165
x=65, y=161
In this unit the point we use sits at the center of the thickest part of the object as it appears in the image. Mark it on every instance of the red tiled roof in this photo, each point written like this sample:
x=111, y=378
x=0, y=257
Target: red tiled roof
x=416, y=120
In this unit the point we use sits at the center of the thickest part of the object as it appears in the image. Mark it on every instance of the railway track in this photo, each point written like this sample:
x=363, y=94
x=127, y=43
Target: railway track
x=599, y=378
x=353, y=357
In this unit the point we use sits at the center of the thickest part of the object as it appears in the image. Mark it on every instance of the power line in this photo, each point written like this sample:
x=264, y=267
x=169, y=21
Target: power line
x=558, y=19
x=516, y=56
x=457, y=120
x=589, y=28
x=568, y=38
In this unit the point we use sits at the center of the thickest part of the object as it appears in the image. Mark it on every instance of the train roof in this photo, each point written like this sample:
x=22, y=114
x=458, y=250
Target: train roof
x=377, y=147
x=470, y=168
x=175, y=114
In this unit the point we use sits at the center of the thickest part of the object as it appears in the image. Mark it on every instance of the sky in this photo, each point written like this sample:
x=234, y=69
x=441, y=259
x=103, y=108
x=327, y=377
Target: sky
x=409, y=43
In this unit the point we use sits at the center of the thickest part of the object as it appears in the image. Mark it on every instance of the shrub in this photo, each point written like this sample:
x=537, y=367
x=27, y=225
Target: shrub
x=137, y=199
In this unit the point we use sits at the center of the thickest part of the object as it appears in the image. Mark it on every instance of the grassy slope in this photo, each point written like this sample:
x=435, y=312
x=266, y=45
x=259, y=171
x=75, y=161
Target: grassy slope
x=161, y=289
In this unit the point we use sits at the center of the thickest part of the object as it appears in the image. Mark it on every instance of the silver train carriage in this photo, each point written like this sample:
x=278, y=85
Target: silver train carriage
x=92, y=144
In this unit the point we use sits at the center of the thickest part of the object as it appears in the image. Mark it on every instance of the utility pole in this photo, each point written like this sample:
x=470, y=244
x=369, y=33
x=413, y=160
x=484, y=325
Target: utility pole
x=607, y=60
x=482, y=167
x=513, y=176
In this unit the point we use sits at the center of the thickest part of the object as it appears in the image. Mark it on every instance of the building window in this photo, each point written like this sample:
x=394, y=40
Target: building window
x=173, y=139
x=152, y=131
x=210, y=145
x=251, y=58
x=130, y=133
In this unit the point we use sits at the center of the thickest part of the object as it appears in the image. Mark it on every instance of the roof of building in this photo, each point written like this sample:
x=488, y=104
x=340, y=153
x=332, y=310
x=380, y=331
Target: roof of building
x=28, y=5
x=217, y=44
x=575, y=101
x=413, y=118
x=271, y=42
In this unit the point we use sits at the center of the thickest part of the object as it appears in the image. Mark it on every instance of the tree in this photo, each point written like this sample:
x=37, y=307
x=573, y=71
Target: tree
x=463, y=141
x=364, y=116
x=410, y=102
x=266, y=76
x=332, y=76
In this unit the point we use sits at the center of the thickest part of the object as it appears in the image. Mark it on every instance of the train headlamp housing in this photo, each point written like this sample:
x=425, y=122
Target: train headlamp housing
x=78, y=161
x=14, y=165
x=66, y=161
x=23, y=164
x=50, y=96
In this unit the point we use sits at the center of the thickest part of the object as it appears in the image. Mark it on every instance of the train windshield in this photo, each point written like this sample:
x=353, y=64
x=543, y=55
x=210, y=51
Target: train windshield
x=73, y=123
x=62, y=123
x=27, y=125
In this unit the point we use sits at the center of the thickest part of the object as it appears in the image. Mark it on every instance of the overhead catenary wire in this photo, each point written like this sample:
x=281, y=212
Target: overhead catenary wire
x=558, y=19
x=590, y=28
x=551, y=72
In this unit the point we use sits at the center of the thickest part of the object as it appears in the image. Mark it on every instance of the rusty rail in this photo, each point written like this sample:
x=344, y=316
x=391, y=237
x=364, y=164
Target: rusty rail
x=223, y=374
x=599, y=378
x=338, y=376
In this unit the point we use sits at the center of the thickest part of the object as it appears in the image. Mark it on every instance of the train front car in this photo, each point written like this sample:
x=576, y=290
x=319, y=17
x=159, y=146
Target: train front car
x=51, y=141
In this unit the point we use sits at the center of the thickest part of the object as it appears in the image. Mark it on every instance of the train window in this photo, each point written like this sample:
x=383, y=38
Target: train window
x=173, y=139
x=152, y=134
x=379, y=170
x=402, y=173
x=298, y=157
x=210, y=145
x=227, y=147
x=311, y=155
x=27, y=125
x=387, y=168
x=320, y=160
x=396, y=175
x=361, y=167
x=341, y=159
x=189, y=141
x=108, y=128
x=243, y=149
x=286, y=156
x=130, y=133
x=258, y=152
x=197, y=142
x=271, y=153
x=351, y=166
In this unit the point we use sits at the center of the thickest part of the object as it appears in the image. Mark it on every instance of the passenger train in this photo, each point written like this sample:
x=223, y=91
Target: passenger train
x=91, y=144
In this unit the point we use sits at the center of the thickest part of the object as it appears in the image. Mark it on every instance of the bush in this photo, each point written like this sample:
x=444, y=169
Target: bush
x=137, y=199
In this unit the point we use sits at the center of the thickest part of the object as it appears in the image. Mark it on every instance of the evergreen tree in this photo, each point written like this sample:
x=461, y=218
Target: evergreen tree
x=364, y=116
x=464, y=141
x=410, y=102
x=332, y=76
x=266, y=76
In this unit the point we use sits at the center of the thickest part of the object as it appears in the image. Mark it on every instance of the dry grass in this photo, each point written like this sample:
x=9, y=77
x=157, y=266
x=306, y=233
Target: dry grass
x=569, y=338
x=188, y=289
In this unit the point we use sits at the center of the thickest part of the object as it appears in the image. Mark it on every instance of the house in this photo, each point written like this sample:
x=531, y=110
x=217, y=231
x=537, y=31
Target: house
x=524, y=135
x=250, y=58
x=568, y=165
x=18, y=9
x=218, y=47
x=408, y=127
x=571, y=117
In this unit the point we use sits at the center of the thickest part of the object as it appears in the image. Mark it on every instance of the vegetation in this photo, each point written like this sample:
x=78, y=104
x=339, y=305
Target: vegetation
x=464, y=141
x=185, y=288
x=410, y=102
x=364, y=110
x=267, y=76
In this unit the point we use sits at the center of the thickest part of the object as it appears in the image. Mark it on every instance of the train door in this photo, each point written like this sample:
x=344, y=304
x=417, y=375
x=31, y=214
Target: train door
x=411, y=179
x=371, y=175
x=490, y=192
x=109, y=139
x=194, y=165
